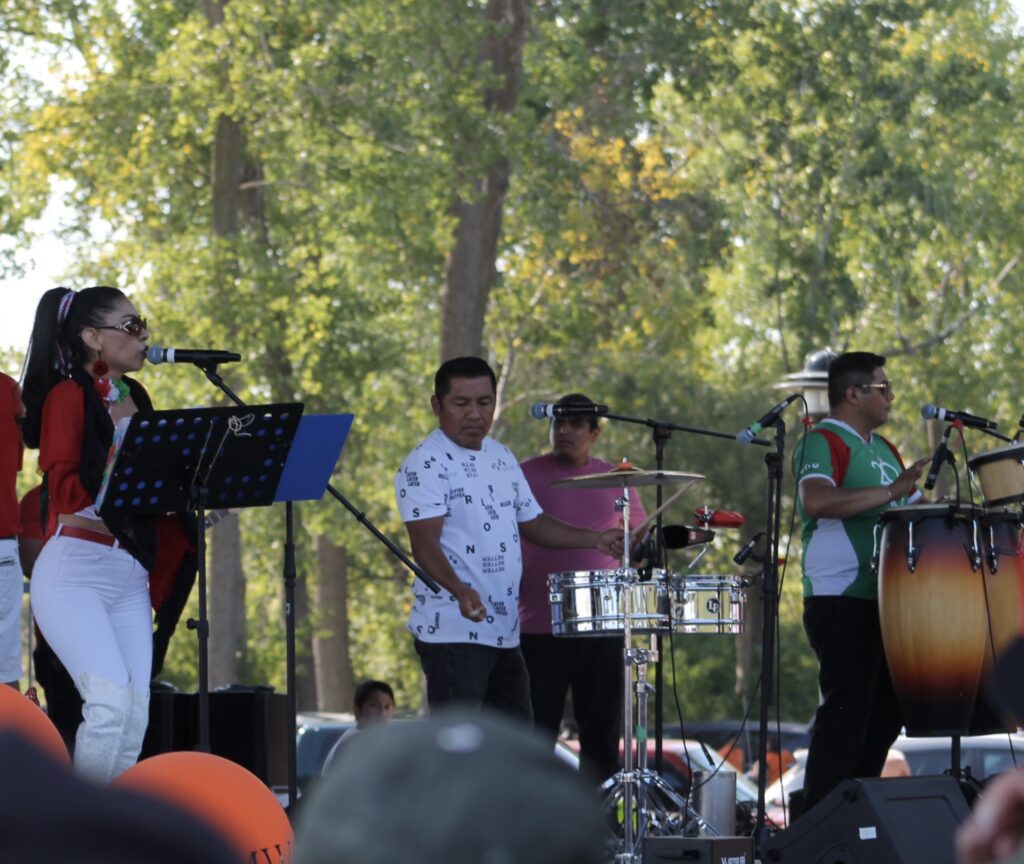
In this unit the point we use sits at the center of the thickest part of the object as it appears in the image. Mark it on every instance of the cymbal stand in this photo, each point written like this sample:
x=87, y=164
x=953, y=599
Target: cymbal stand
x=642, y=793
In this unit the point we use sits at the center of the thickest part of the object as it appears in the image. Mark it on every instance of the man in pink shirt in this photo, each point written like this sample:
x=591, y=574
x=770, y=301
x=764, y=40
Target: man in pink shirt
x=591, y=666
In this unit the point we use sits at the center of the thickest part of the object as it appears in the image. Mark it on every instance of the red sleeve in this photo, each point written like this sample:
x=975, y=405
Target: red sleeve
x=60, y=451
x=31, y=529
x=10, y=454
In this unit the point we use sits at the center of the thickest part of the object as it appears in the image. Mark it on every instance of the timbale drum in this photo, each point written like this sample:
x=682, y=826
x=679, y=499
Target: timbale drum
x=594, y=602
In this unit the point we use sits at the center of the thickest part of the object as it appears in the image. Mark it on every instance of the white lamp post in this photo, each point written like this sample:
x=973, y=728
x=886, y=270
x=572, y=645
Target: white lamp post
x=812, y=381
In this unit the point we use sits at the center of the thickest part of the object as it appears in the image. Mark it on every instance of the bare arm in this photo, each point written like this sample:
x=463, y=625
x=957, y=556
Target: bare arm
x=823, y=499
x=425, y=537
x=553, y=533
x=995, y=828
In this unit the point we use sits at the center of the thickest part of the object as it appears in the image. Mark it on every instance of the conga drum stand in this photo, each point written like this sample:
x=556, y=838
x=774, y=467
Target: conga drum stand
x=649, y=806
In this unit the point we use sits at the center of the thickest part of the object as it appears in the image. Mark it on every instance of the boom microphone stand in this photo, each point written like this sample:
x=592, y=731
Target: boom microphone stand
x=769, y=606
x=289, y=574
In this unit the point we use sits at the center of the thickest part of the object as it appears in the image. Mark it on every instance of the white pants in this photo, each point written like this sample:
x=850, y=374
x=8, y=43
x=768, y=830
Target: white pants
x=92, y=605
x=11, y=591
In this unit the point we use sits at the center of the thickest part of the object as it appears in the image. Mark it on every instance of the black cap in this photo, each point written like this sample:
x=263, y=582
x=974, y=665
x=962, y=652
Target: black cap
x=456, y=788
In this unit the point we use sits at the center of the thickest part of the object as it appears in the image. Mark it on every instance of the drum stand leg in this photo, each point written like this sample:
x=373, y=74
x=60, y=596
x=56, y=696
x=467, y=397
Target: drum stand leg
x=640, y=804
x=649, y=806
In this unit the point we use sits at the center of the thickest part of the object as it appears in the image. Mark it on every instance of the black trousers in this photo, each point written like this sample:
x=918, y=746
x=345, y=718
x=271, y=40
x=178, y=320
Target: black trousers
x=592, y=668
x=471, y=675
x=859, y=717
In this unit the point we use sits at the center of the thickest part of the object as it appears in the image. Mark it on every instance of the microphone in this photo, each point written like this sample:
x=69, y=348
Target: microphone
x=199, y=356
x=747, y=550
x=769, y=419
x=934, y=412
x=938, y=458
x=681, y=536
x=544, y=410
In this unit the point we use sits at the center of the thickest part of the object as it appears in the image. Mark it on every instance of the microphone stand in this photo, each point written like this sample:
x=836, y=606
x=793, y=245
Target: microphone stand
x=289, y=575
x=661, y=431
x=769, y=606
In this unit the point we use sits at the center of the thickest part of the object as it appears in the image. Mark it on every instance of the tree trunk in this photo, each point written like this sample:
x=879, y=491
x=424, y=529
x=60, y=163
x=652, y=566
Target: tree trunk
x=332, y=660
x=227, y=602
x=227, y=580
x=470, y=268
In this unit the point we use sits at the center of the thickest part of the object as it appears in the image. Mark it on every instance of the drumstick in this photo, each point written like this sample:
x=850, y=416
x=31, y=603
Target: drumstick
x=643, y=526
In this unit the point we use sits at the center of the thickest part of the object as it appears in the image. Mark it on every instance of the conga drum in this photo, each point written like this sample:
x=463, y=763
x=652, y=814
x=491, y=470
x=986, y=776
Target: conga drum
x=1000, y=473
x=931, y=599
x=1001, y=546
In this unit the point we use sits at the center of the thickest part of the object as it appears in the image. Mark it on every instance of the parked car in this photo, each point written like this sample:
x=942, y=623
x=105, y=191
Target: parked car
x=742, y=736
x=983, y=756
x=317, y=731
x=315, y=735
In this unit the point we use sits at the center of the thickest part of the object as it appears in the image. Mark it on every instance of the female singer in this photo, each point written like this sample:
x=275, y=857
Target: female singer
x=89, y=586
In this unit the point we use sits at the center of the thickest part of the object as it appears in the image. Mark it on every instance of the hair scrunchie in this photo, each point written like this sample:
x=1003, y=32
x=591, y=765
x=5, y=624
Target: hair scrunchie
x=63, y=309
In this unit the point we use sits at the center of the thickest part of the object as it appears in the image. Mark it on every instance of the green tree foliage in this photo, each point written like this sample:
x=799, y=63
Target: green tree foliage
x=697, y=196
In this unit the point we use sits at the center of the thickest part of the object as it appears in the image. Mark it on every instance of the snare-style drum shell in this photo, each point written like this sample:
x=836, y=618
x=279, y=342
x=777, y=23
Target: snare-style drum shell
x=932, y=605
x=1004, y=569
x=1001, y=545
x=707, y=604
x=593, y=602
x=1000, y=473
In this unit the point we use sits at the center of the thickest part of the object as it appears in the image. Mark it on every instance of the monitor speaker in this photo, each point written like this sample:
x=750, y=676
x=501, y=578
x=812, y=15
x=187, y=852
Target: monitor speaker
x=898, y=820
x=248, y=725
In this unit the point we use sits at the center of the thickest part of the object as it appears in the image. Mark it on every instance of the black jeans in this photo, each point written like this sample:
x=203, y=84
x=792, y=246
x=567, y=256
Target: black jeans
x=472, y=675
x=592, y=667
x=859, y=717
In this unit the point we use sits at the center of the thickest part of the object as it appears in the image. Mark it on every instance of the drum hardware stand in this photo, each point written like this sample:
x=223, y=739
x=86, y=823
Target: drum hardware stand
x=661, y=432
x=640, y=790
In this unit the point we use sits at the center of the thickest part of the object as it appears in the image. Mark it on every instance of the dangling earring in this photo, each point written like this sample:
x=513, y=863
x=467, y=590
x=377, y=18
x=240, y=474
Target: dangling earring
x=100, y=367
x=109, y=391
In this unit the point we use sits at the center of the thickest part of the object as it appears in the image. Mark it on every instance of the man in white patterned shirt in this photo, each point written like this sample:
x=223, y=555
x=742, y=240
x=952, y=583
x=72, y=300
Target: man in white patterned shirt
x=465, y=502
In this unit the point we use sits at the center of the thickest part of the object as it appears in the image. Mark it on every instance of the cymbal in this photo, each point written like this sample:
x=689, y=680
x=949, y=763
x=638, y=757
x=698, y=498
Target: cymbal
x=629, y=477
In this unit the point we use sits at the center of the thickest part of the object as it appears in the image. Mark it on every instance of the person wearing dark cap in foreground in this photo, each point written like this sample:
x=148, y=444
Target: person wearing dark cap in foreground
x=456, y=788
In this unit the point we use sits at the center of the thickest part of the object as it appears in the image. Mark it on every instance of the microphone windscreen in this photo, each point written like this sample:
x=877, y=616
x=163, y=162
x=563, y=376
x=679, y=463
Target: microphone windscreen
x=929, y=412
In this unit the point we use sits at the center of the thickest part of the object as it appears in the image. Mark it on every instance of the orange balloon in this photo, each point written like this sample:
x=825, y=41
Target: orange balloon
x=226, y=796
x=19, y=714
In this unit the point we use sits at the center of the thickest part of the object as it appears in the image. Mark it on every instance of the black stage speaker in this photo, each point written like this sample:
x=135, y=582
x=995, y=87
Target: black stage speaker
x=172, y=722
x=898, y=820
x=699, y=850
x=248, y=725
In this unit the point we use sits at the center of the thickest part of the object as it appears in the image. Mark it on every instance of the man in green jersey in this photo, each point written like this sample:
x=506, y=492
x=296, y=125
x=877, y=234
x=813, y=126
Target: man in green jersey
x=847, y=475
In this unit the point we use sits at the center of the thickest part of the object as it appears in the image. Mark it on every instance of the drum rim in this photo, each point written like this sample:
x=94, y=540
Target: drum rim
x=996, y=455
x=899, y=514
x=1007, y=499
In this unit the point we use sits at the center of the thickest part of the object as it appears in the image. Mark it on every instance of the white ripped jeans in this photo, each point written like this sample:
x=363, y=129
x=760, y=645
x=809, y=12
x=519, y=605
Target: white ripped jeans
x=92, y=605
